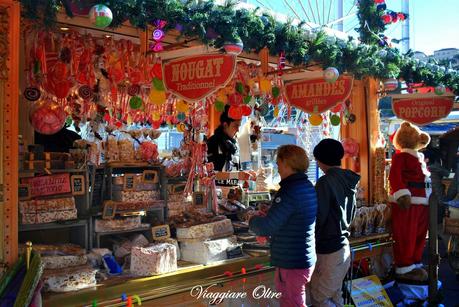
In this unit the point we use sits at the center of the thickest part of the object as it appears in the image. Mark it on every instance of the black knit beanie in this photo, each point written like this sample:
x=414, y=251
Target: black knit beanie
x=329, y=152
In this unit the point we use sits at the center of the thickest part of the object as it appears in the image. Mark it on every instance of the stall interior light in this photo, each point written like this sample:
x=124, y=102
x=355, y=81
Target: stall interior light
x=108, y=36
x=65, y=28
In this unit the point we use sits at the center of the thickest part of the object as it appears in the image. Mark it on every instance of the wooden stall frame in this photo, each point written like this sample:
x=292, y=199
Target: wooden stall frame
x=9, y=93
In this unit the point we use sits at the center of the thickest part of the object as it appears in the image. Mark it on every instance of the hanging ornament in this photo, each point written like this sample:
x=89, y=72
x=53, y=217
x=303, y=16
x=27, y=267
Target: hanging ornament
x=276, y=92
x=281, y=63
x=234, y=48
x=390, y=84
x=157, y=97
x=158, y=35
x=158, y=84
x=156, y=116
x=133, y=90
x=263, y=109
x=338, y=108
x=47, y=117
x=379, y=1
x=247, y=99
x=331, y=74
x=386, y=19
x=181, y=127
x=315, y=119
x=32, y=93
x=265, y=86
x=85, y=92
x=352, y=118
x=219, y=106
x=246, y=110
x=181, y=106
x=401, y=16
x=440, y=89
x=181, y=116
x=135, y=102
x=335, y=120
x=101, y=16
x=381, y=7
x=235, y=112
x=276, y=111
x=394, y=17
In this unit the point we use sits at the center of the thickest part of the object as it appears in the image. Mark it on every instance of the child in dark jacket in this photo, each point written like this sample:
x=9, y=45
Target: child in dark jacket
x=290, y=223
x=335, y=211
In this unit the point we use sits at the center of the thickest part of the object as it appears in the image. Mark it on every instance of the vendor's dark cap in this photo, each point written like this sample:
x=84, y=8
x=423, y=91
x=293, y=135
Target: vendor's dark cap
x=329, y=152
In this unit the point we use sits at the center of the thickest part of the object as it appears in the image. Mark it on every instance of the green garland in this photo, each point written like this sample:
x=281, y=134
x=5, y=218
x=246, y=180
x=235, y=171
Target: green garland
x=214, y=25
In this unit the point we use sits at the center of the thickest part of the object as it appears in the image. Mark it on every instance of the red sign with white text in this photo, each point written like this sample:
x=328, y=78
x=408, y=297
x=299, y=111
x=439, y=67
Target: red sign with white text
x=421, y=111
x=48, y=185
x=317, y=95
x=197, y=77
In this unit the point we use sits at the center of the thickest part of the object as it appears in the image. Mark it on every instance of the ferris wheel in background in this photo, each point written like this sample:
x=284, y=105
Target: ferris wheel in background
x=339, y=15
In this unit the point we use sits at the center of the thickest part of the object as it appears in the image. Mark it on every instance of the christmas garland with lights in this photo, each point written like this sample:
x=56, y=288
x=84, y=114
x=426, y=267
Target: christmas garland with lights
x=215, y=24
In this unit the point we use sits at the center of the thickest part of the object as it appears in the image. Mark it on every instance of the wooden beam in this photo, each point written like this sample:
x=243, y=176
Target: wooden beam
x=9, y=94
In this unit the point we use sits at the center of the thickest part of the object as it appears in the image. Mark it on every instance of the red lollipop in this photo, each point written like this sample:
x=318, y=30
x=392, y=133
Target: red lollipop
x=235, y=112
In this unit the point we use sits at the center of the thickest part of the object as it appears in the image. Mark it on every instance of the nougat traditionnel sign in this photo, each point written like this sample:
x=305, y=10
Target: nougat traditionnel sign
x=317, y=95
x=196, y=77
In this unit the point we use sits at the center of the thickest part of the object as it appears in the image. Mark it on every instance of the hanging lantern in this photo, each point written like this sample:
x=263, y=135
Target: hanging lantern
x=234, y=48
x=101, y=16
x=47, y=117
x=390, y=84
x=440, y=89
x=331, y=74
x=315, y=119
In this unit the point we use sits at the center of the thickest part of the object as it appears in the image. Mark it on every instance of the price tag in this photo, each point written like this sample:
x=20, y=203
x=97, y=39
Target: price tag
x=78, y=184
x=161, y=232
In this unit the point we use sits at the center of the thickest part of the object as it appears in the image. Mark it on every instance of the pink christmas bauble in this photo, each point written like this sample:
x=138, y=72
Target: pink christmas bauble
x=47, y=117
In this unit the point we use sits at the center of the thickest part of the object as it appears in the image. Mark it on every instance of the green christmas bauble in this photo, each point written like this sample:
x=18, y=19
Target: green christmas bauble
x=181, y=116
x=335, y=120
x=135, y=102
x=101, y=16
x=219, y=106
x=276, y=91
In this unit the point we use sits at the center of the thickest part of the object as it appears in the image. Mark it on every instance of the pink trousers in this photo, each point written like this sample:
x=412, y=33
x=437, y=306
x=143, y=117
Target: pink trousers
x=292, y=284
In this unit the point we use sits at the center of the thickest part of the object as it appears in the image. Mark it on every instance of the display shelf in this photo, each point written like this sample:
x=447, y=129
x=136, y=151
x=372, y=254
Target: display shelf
x=98, y=235
x=54, y=225
x=72, y=231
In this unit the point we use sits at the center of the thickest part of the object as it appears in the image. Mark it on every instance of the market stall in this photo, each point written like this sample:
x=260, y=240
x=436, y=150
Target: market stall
x=116, y=212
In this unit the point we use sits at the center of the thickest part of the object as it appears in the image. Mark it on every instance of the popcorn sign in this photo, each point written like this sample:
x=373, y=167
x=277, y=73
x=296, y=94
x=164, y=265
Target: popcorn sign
x=422, y=109
x=197, y=77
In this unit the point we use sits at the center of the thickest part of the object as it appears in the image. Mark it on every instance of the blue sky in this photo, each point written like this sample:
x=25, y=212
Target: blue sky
x=433, y=24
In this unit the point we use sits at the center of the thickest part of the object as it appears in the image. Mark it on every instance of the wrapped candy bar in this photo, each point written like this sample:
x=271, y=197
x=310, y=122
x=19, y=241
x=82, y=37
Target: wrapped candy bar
x=136, y=196
x=69, y=279
x=206, y=231
x=61, y=262
x=112, y=153
x=118, y=224
x=153, y=260
x=205, y=252
x=126, y=149
x=48, y=217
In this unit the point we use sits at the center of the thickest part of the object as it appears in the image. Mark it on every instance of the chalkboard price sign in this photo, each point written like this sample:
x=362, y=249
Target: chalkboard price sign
x=198, y=199
x=161, y=232
x=150, y=177
x=129, y=182
x=24, y=192
x=78, y=184
x=109, y=210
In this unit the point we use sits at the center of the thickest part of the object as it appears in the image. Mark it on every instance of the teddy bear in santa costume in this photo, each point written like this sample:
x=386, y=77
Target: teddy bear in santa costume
x=409, y=195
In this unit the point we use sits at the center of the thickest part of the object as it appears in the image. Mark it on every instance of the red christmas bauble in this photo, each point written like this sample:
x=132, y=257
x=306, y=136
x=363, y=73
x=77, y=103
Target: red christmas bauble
x=386, y=19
